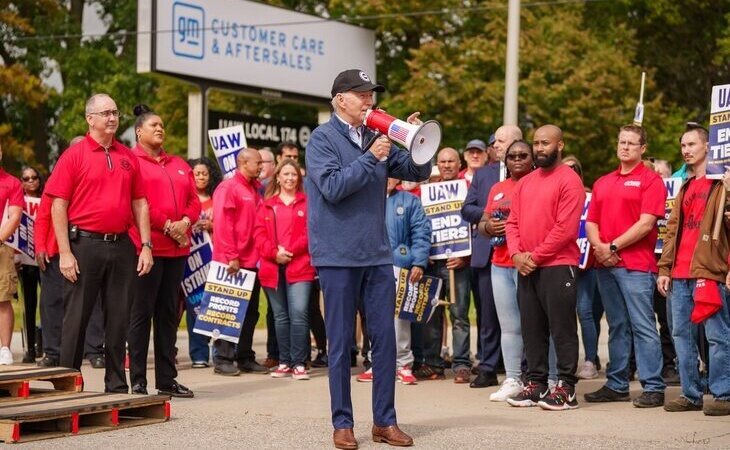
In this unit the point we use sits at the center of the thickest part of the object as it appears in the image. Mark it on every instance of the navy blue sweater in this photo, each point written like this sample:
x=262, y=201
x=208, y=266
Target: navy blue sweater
x=346, y=189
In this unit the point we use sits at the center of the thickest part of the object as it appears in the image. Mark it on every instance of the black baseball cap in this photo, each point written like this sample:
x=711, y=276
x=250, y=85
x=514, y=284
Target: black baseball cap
x=354, y=80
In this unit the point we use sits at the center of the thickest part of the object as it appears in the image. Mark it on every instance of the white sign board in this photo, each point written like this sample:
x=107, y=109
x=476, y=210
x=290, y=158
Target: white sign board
x=248, y=43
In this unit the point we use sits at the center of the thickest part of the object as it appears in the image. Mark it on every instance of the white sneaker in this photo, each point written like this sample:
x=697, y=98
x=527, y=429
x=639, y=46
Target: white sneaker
x=588, y=371
x=510, y=387
x=6, y=356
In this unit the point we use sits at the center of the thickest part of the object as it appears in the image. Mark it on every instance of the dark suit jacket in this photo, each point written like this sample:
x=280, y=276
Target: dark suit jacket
x=473, y=209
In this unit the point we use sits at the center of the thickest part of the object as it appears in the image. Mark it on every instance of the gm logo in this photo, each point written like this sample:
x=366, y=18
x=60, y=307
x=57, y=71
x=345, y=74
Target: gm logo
x=188, y=26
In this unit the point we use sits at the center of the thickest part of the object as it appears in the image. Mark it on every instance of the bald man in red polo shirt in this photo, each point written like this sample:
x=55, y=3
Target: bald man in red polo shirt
x=97, y=193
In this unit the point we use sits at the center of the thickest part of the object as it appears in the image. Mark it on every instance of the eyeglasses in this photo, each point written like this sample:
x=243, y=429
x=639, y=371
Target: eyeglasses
x=517, y=156
x=268, y=162
x=30, y=178
x=107, y=113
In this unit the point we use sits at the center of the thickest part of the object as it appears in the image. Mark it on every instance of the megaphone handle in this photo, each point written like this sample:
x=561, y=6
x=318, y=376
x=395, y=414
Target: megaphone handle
x=372, y=140
x=370, y=143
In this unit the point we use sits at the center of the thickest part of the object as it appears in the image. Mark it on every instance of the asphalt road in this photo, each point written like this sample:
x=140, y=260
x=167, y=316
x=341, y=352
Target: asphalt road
x=259, y=412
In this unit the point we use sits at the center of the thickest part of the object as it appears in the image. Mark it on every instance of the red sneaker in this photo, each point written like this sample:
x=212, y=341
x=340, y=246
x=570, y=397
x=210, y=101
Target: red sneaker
x=405, y=375
x=366, y=377
x=281, y=372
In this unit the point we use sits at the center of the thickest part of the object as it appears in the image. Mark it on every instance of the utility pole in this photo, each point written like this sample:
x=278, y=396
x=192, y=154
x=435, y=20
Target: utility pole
x=512, y=67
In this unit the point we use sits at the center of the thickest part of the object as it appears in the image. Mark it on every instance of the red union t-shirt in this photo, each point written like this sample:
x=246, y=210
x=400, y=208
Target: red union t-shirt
x=100, y=197
x=694, y=203
x=500, y=197
x=617, y=203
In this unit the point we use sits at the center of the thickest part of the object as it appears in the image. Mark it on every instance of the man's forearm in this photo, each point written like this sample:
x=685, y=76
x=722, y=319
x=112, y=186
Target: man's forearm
x=59, y=215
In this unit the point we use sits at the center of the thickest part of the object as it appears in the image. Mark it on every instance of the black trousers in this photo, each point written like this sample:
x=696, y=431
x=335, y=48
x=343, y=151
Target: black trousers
x=155, y=304
x=489, y=350
x=228, y=352
x=547, y=299
x=30, y=278
x=107, y=268
x=52, y=316
x=316, y=321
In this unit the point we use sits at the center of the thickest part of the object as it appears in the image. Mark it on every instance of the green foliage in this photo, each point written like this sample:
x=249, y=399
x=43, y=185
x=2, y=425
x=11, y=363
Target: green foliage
x=580, y=68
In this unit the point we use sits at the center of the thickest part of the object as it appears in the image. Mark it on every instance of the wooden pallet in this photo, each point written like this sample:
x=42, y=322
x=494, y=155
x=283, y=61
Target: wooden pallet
x=69, y=414
x=27, y=382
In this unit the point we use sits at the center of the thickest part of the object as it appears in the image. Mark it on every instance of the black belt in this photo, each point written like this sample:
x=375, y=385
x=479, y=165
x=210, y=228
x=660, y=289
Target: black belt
x=106, y=237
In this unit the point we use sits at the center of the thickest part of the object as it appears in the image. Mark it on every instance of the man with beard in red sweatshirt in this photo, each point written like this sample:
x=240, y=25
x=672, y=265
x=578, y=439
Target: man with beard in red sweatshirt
x=542, y=230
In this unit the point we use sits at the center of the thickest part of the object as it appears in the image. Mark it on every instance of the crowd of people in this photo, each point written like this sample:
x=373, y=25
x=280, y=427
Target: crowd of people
x=113, y=230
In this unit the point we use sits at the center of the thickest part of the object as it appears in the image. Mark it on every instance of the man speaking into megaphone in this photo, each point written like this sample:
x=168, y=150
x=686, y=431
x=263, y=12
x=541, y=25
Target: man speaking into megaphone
x=346, y=185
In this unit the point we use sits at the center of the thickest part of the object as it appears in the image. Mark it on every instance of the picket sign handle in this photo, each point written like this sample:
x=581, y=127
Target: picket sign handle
x=452, y=286
x=720, y=215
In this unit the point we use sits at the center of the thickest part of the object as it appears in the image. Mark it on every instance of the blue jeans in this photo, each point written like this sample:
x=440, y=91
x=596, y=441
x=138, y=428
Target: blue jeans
x=504, y=284
x=290, y=306
x=197, y=343
x=458, y=312
x=684, y=332
x=628, y=300
x=590, y=310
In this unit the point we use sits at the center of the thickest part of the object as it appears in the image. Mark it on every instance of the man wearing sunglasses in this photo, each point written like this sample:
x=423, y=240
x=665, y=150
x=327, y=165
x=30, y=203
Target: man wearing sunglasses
x=481, y=279
x=97, y=192
x=621, y=228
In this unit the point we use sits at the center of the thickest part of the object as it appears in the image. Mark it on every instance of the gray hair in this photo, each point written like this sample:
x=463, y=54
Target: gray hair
x=91, y=102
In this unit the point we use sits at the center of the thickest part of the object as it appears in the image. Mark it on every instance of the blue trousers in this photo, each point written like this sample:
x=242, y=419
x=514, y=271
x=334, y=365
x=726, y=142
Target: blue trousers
x=374, y=286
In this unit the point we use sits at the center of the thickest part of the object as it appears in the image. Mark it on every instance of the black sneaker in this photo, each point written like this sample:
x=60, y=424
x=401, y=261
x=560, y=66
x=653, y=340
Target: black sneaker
x=530, y=395
x=426, y=372
x=139, y=389
x=251, y=366
x=226, y=369
x=484, y=379
x=562, y=398
x=98, y=362
x=649, y=400
x=605, y=395
x=320, y=360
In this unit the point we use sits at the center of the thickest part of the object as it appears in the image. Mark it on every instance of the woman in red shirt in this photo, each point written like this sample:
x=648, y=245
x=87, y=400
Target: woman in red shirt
x=173, y=203
x=519, y=161
x=207, y=177
x=29, y=273
x=285, y=271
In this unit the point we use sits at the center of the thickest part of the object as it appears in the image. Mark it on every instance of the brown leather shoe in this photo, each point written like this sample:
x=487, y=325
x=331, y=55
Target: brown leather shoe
x=391, y=435
x=344, y=438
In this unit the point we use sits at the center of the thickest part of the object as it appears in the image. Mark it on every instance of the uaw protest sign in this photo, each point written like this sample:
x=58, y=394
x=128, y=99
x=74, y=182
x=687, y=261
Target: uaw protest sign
x=719, y=156
x=673, y=185
x=196, y=267
x=224, y=303
x=227, y=142
x=415, y=302
x=450, y=233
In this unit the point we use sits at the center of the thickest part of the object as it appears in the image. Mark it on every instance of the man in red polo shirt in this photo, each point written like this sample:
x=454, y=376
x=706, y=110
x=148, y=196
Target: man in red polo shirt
x=621, y=227
x=97, y=193
x=11, y=193
x=234, y=207
x=542, y=230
